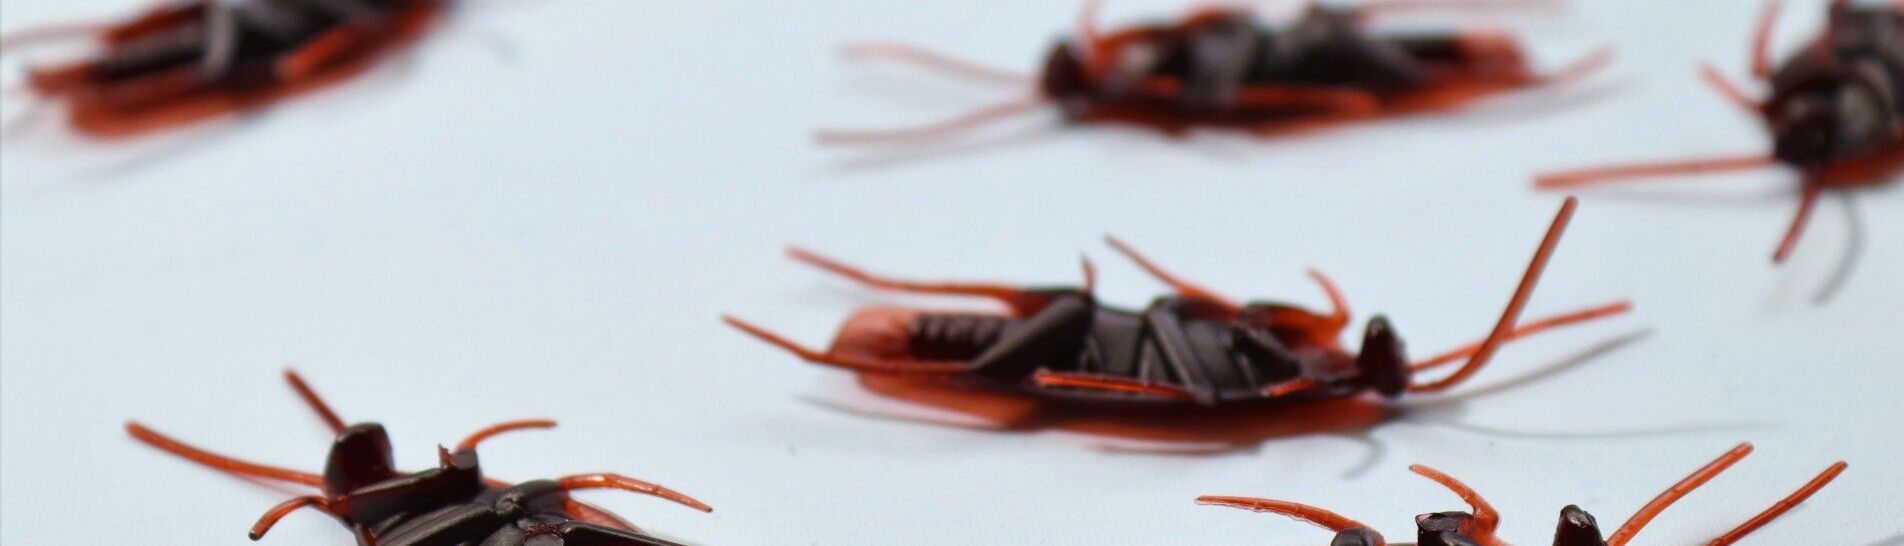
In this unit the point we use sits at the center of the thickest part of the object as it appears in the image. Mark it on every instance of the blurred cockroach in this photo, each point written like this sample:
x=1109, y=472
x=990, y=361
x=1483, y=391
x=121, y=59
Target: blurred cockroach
x=1222, y=67
x=1196, y=347
x=1835, y=111
x=1577, y=527
x=450, y=504
x=185, y=62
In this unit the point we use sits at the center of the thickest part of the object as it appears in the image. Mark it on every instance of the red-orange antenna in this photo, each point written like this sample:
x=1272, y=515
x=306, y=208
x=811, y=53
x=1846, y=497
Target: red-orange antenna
x=624, y=483
x=470, y=443
x=1806, y=202
x=1580, y=68
x=50, y=33
x=1301, y=512
x=219, y=462
x=1674, y=493
x=1782, y=506
x=933, y=60
x=1525, y=330
x=278, y=512
x=935, y=131
x=1762, y=40
x=1601, y=175
x=1010, y=296
x=1727, y=90
x=867, y=365
x=1505, y=327
x=1183, y=287
x=1104, y=383
x=312, y=399
x=1486, y=520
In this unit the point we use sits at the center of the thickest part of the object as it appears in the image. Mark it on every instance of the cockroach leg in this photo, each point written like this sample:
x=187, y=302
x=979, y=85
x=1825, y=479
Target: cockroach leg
x=1509, y=317
x=1338, y=305
x=1727, y=90
x=624, y=483
x=310, y=397
x=1762, y=40
x=1782, y=506
x=926, y=58
x=1183, y=287
x=278, y=512
x=1526, y=329
x=1580, y=68
x=889, y=367
x=1102, y=383
x=1486, y=519
x=1019, y=302
x=1673, y=494
x=1806, y=202
x=470, y=443
x=219, y=462
x=1600, y=175
x=1301, y=512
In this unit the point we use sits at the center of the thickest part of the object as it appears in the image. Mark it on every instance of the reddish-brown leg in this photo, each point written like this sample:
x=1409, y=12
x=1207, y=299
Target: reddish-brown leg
x=1762, y=40
x=1782, y=506
x=937, y=130
x=624, y=483
x=1674, y=493
x=858, y=364
x=219, y=462
x=1055, y=380
x=316, y=403
x=1580, y=68
x=470, y=443
x=1806, y=202
x=1486, y=520
x=1302, y=512
x=1509, y=317
x=925, y=58
x=1338, y=305
x=1183, y=288
x=1019, y=302
x=1525, y=329
x=278, y=512
x=1727, y=90
x=1600, y=175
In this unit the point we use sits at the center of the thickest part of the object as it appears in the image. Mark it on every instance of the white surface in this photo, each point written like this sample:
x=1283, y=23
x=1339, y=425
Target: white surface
x=545, y=211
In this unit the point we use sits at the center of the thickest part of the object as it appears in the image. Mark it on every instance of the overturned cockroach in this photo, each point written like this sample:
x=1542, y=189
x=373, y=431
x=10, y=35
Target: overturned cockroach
x=1835, y=111
x=1577, y=527
x=449, y=505
x=1222, y=67
x=189, y=61
x=1194, y=347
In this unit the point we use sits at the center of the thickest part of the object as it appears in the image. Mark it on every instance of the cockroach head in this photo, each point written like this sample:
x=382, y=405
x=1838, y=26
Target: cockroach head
x=1383, y=361
x=1064, y=76
x=1577, y=528
x=1832, y=119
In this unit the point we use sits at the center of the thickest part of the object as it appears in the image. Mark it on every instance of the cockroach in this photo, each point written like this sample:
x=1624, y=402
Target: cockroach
x=450, y=504
x=1835, y=111
x=1576, y=528
x=185, y=62
x=1223, y=67
x=1195, y=347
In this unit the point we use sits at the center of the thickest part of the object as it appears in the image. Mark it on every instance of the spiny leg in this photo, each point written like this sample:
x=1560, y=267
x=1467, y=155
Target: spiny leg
x=624, y=483
x=1510, y=316
x=1010, y=296
x=1782, y=506
x=1674, y=493
x=1806, y=202
x=1600, y=175
x=316, y=403
x=1526, y=329
x=890, y=367
x=219, y=462
x=1301, y=512
x=925, y=58
x=470, y=443
x=1102, y=383
x=1485, y=518
x=1762, y=40
x=1183, y=288
x=937, y=130
x=278, y=512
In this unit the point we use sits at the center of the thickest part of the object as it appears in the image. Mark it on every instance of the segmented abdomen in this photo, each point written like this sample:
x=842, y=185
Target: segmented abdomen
x=953, y=336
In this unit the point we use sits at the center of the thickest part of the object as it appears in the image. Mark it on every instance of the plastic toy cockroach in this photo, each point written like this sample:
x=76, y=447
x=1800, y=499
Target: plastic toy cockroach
x=1222, y=67
x=1577, y=527
x=453, y=504
x=185, y=62
x=1835, y=111
x=1196, y=347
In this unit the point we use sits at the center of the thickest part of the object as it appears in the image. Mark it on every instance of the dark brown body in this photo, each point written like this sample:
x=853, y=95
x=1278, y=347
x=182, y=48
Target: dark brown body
x=186, y=62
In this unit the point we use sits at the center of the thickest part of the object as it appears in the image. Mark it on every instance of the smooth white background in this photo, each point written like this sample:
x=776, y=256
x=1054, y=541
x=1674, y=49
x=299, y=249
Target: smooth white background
x=544, y=208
